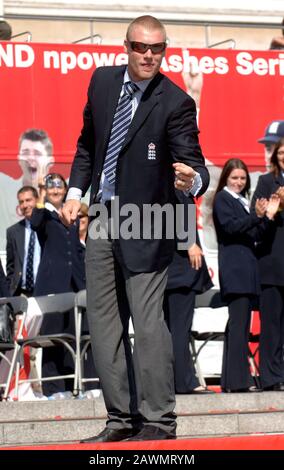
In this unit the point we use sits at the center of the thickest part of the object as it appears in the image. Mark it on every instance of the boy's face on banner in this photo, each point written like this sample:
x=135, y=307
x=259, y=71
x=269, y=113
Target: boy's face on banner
x=34, y=162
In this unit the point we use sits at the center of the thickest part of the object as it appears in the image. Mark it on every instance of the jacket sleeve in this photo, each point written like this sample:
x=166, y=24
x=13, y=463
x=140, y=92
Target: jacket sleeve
x=230, y=223
x=183, y=139
x=38, y=219
x=261, y=190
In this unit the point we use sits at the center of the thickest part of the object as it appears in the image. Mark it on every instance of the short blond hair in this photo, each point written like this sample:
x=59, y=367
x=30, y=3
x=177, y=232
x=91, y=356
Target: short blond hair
x=148, y=22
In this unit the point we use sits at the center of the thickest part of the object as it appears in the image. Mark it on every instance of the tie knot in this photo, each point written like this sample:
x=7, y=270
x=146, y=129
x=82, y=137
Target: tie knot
x=130, y=88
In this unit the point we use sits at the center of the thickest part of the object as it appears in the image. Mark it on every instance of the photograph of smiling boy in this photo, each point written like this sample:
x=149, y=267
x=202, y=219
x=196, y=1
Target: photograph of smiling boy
x=35, y=157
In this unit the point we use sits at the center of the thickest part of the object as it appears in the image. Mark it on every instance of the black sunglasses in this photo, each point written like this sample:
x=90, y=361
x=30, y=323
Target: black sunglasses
x=142, y=48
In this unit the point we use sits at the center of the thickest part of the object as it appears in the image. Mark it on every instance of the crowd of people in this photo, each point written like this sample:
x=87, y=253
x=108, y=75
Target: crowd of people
x=145, y=150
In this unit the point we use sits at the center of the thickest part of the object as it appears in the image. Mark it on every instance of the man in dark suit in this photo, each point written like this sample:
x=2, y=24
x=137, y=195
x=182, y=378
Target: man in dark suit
x=127, y=275
x=18, y=237
x=4, y=290
x=188, y=276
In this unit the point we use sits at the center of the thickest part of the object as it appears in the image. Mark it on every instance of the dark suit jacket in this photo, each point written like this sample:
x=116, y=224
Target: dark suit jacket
x=237, y=231
x=166, y=117
x=4, y=289
x=61, y=268
x=270, y=250
x=15, y=250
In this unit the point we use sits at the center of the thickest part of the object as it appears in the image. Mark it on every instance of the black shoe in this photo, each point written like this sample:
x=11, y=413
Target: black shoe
x=111, y=435
x=275, y=388
x=152, y=433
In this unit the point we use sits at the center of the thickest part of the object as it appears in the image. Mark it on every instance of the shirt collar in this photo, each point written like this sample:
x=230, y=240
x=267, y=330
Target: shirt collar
x=236, y=196
x=142, y=85
x=51, y=207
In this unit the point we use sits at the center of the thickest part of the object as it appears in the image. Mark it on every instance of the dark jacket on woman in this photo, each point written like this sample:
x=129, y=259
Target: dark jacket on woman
x=237, y=231
x=62, y=266
x=270, y=250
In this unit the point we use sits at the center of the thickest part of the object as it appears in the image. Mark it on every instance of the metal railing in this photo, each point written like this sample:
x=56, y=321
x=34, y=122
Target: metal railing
x=232, y=41
x=29, y=38
x=92, y=37
x=178, y=22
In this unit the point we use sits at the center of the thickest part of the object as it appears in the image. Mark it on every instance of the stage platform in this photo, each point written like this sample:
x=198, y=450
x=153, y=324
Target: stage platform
x=248, y=416
x=252, y=442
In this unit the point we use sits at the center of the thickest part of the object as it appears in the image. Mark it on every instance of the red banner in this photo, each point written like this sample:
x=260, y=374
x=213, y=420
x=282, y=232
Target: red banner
x=45, y=85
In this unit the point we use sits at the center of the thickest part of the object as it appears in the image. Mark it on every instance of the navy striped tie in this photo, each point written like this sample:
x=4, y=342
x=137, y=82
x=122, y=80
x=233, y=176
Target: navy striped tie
x=30, y=263
x=120, y=125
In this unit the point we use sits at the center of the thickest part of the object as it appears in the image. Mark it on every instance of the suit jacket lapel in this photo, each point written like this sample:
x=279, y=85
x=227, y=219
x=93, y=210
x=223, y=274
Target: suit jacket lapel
x=112, y=100
x=148, y=101
x=20, y=239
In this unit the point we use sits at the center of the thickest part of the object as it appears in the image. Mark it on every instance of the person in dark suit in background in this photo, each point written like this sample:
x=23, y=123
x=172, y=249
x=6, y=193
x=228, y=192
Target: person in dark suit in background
x=139, y=131
x=4, y=289
x=61, y=270
x=188, y=276
x=237, y=231
x=18, y=238
x=271, y=264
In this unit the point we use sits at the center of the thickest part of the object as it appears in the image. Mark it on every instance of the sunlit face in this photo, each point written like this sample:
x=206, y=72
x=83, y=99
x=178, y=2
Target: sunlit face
x=144, y=66
x=27, y=203
x=55, y=196
x=280, y=157
x=34, y=162
x=237, y=180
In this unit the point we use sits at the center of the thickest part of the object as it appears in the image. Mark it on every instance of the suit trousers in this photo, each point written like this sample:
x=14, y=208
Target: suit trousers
x=140, y=386
x=271, y=345
x=179, y=311
x=235, y=367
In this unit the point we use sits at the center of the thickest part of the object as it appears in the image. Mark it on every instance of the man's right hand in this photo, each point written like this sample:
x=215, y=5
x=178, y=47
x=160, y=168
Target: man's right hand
x=70, y=211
